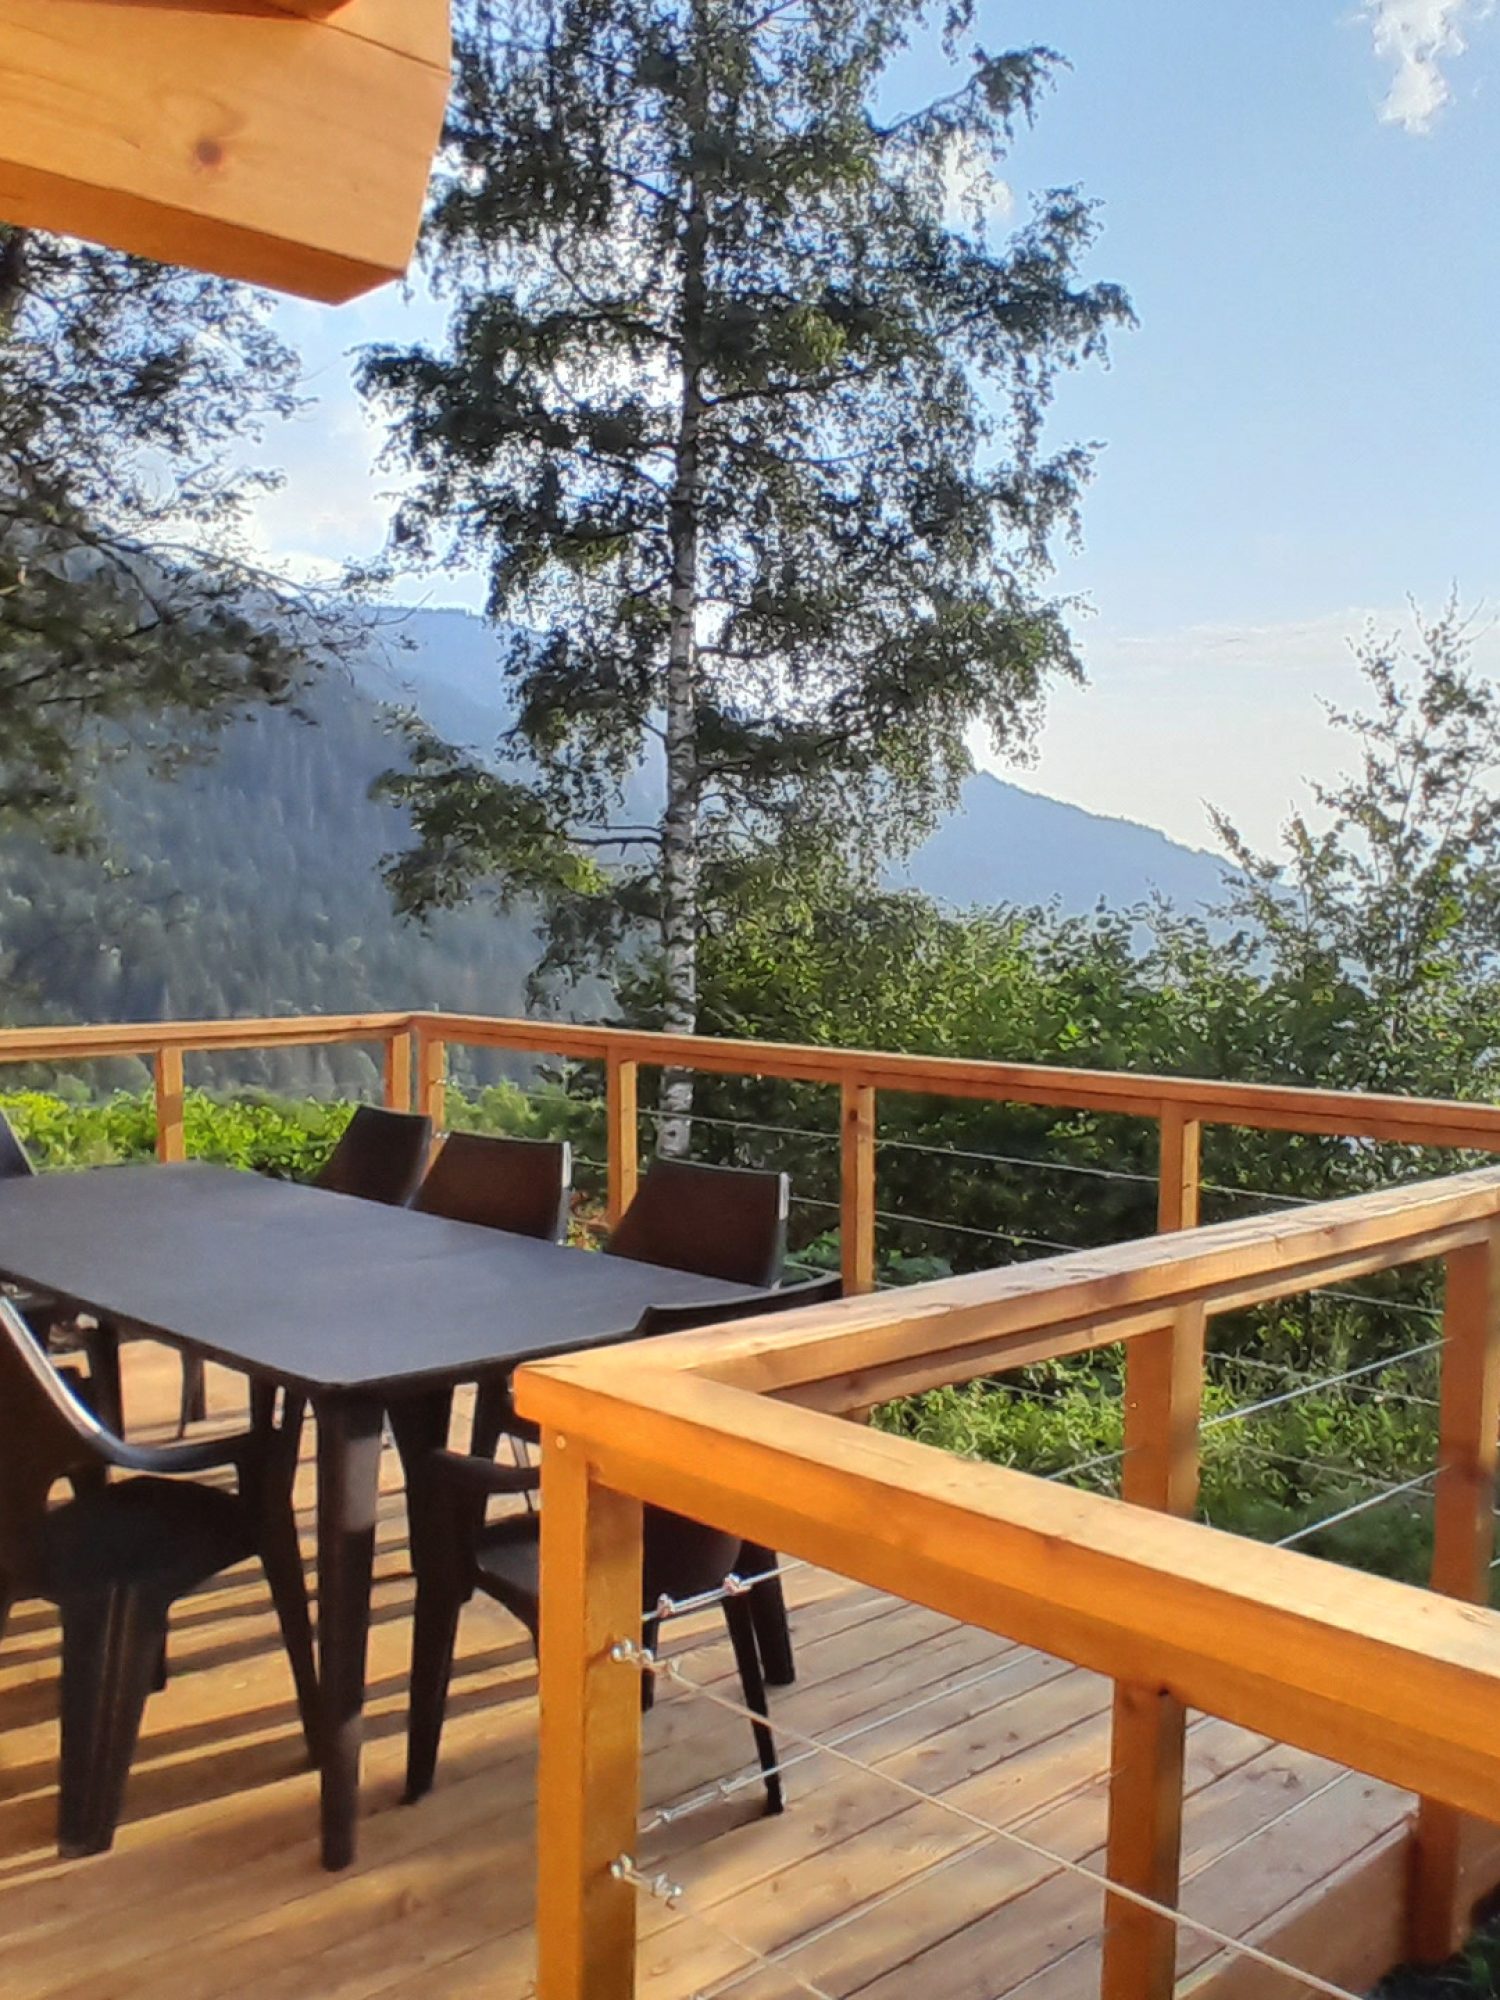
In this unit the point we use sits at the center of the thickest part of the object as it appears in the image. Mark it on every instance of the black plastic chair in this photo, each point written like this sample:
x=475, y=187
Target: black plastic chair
x=773, y=1632
x=720, y=1222
x=717, y=1222
x=44, y=1310
x=15, y=1165
x=379, y=1157
x=117, y=1556
x=467, y=1553
x=519, y=1185
x=502, y=1558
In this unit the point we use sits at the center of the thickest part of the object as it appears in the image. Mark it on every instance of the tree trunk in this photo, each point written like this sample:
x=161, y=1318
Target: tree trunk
x=679, y=844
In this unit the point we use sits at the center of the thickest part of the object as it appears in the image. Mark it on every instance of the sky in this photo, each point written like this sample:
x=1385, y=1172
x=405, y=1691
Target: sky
x=1302, y=435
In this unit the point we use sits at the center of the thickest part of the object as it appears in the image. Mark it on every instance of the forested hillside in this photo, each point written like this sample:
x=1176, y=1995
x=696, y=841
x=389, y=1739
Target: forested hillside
x=250, y=883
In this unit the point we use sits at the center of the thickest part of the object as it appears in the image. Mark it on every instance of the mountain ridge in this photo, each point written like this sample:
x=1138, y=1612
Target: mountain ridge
x=446, y=664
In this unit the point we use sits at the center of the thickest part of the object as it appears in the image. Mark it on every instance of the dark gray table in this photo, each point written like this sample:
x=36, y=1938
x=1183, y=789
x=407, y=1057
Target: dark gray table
x=365, y=1310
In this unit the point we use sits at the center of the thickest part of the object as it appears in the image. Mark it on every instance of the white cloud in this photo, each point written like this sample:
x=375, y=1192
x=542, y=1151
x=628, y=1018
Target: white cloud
x=1417, y=36
x=974, y=192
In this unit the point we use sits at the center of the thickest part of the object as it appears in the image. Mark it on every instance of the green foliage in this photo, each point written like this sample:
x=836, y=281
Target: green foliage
x=1386, y=914
x=289, y=1139
x=1473, y=1975
x=741, y=410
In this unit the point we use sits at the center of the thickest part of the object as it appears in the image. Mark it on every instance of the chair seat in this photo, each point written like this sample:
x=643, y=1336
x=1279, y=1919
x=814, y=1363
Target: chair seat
x=166, y=1534
x=508, y=1560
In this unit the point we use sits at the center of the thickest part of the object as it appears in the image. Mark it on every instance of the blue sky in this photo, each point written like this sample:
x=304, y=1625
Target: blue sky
x=1300, y=196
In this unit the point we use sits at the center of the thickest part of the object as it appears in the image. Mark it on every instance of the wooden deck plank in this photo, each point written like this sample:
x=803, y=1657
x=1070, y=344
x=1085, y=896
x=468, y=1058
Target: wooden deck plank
x=213, y=1888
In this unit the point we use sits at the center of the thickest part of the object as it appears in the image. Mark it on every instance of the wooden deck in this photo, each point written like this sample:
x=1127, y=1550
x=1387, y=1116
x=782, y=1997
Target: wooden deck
x=213, y=1887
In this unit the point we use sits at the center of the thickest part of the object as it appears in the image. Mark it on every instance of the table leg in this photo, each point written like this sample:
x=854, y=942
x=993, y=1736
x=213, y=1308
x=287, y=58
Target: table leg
x=419, y=1425
x=349, y=1433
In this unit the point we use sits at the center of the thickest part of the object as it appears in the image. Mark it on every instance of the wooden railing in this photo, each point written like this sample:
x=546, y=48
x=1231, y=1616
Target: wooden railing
x=415, y=1063
x=165, y=1043
x=740, y=1428
x=415, y=1068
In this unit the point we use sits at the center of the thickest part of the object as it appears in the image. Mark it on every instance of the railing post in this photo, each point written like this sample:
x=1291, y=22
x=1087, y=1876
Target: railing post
x=171, y=1141
x=1163, y=1403
x=1463, y=1540
x=398, y=1071
x=588, y=1776
x=1179, y=1169
x=432, y=1076
x=622, y=1151
x=857, y=1186
x=1163, y=1400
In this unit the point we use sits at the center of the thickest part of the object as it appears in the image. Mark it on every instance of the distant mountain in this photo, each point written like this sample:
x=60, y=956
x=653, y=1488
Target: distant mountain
x=251, y=883
x=1008, y=845
x=1004, y=845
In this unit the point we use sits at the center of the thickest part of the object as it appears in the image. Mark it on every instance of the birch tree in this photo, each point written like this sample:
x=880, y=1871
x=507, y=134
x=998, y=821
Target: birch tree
x=740, y=410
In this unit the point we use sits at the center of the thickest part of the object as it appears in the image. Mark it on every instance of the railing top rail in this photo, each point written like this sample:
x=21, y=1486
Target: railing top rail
x=46, y=1044
x=1395, y=1681
x=1392, y=1680
x=1417, y=1121
x=848, y=1355
x=1276, y=1107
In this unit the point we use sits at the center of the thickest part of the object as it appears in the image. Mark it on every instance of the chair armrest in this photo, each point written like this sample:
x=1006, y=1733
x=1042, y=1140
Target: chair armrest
x=483, y=1476
x=166, y=1460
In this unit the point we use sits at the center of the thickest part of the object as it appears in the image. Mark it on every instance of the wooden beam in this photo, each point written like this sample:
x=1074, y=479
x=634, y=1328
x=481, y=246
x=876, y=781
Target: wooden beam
x=285, y=145
x=588, y=1774
x=1417, y=1121
x=432, y=1078
x=1463, y=1543
x=79, y=1044
x=1394, y=1681
x=1180, y=1170
x=1083, y=1299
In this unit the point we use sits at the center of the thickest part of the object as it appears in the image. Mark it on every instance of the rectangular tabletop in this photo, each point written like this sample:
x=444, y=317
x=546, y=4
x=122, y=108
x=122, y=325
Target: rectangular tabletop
x=318, y=1290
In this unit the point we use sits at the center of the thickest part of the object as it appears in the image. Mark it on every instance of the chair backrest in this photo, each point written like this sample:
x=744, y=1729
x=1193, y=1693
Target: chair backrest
x=45, y=1435
x=521, y=1185
x=786, y=1298
x=682, y=1557
x=379, y=1157
x=14, y=1163
x=720, y=1222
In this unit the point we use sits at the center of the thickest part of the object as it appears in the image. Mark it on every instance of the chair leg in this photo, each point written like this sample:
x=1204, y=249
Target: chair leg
x=491, y=1407
x=192, y=1406
x=281, y=1559
x=434, y=1634
x=650, y=1636
x=112, y=1644
x=737, y=1616
x=101, y=1344
x=768, y=1611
